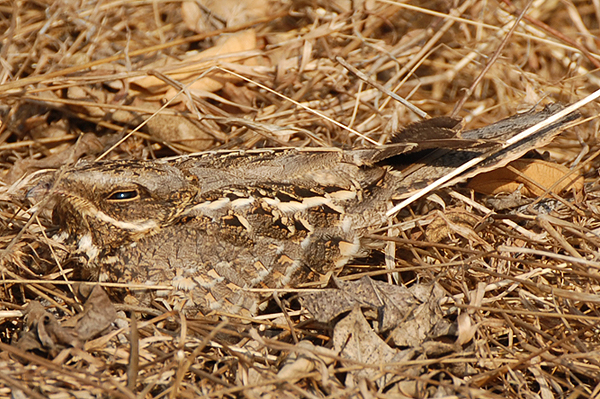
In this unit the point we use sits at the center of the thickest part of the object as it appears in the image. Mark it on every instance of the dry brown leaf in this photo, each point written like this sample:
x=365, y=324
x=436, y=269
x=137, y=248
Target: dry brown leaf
x=393, y=302
x=193, y=17
x=449, y=222
x=544, y=173
x=93, y=96
x=415, y=309
x=423, y=318
x=305, y=360
x=198, y=15
x=355, y=339
x=179, y=129
x=227, y=50
x=45, y=330
x=98, y=314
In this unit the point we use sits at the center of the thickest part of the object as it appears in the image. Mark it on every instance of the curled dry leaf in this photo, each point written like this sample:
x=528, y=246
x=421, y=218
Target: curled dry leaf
x=305, y=360
x=230, y=49
x=180, y=129
x=197, y=14
x=410, y=313
x=354, y=339
x=392, y=302
x=425, y=319
x=447, y=223
x=466, y=328
x=544, y=173
x=46, y=332
x=98, y=314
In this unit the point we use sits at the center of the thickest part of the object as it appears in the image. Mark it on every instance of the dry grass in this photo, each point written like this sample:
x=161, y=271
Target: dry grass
x=78, y=78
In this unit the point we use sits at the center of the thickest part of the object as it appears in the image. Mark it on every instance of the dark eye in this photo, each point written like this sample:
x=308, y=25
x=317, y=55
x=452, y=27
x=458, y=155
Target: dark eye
x=123, y=195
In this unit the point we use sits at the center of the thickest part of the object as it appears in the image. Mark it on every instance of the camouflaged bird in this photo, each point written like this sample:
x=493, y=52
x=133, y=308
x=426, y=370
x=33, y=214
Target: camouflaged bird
x=214, y=225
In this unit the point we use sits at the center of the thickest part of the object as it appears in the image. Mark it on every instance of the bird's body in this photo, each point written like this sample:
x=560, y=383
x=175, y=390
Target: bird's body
x=214, y=225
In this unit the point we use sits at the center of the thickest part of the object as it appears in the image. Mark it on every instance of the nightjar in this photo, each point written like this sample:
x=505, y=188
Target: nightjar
x=211, y=227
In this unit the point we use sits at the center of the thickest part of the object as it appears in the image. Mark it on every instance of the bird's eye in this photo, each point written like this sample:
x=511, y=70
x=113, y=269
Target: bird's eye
x=124, y=195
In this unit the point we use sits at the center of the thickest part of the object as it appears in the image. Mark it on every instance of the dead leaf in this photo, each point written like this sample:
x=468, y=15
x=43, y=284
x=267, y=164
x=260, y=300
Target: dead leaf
x=45, y=329
x=233, y=48
x=396, y=306
x=180, y=130
x=82, y=95
x=193, y=17
x=197, y=15
x=424, y=318
x=98, y=314
x=355, y=339
x=466, y=329
x=46, y=332
x=449, y=222
x=305, y=360
x=545, y=173
x=392, y=302
x=241, y=95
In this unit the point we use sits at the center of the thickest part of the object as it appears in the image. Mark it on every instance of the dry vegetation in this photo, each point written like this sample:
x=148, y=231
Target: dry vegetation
x=149, y=79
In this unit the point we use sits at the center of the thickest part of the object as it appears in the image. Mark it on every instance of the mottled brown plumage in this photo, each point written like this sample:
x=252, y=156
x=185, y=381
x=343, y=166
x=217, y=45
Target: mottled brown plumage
x=216, y=224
